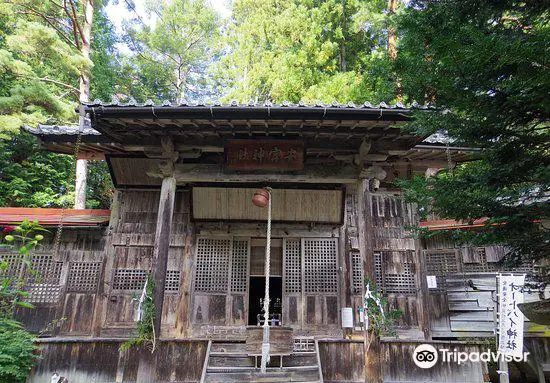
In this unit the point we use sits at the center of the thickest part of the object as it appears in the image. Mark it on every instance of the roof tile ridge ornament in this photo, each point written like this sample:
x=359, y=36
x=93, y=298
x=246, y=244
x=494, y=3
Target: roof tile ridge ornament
x=184, y=102
x=149, y=102
x=234, y=103
x=286, y=104
x=301, y=104
x=367, y=105
x=166, y=103
x=319, y=104
x=351, y=104
x=335, y=104
x=131, y=102
x=114, y=101
x=217, y=103
x=251, y=103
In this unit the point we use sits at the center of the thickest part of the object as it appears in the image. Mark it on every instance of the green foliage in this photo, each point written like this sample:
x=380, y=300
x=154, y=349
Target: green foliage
x=382, y=320
x=484, y=65
x=303, y=50
x=23, y=238
x=17, y=351
x=17, y=348
x=171, y=55
x=145, y=326
x=31, y=177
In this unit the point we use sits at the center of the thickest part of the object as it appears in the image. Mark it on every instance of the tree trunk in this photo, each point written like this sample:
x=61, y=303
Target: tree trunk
x=84, y=86
x=392, y=35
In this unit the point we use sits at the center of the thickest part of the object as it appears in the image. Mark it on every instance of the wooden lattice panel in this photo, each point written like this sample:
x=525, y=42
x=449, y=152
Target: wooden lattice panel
x=320, y=265
x=44, y=287
x=172, y=283
x=14, y=264
x=129, y=279
x=212, y=268
x=378, y=273
x=357, y=271
x=441, y=262
x=293, y=266
x=403, y=283
x=239, y=266
x=83, y=277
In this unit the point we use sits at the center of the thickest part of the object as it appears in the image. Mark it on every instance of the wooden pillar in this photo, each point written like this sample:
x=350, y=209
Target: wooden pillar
x=162, y=246
x=107, y=262
x=373, y=367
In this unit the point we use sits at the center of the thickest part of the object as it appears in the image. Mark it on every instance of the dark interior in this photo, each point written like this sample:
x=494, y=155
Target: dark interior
x=256, y=295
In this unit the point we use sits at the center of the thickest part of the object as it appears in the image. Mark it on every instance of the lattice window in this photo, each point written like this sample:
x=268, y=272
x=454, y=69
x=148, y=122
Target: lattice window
x=357, y=272
x=83, y=277
x=212, y=265
x=485, y=266
x=129, y=279
x=172, y=283
x=441, y=262
x=378, y=271
x=401, y=283
x=394, y=283
x=293, y=266
x=44, y=286
x=320, y=265
x=239, y=266
x=14, y=264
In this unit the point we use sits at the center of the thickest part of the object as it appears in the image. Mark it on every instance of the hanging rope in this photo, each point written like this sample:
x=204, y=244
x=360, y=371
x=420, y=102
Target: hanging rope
x=265, y=344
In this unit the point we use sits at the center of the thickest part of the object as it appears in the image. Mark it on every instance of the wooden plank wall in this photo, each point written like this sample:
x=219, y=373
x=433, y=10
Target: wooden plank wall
x=217, y=203
x=462, y=304
x=130, y=248
x=342, y=361
x=69, y=279
x=102, y=361
x=398, y=266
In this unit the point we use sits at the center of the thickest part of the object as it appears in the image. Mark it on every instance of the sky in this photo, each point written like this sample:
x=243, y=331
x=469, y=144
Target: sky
x=117, y=13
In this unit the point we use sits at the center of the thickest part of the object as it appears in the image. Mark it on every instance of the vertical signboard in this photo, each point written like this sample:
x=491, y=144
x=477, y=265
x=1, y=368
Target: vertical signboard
x=510, y=319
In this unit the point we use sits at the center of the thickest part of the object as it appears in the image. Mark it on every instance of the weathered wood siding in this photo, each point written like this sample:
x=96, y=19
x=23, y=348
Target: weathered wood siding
x=400, y=367
x=222, y=204
x=129, y=259
x=102, y=361
x=343, y=361
x=462, y=304
x=65, y=293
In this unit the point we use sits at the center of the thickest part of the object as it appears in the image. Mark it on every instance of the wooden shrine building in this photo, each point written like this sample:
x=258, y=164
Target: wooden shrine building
x=182, y=211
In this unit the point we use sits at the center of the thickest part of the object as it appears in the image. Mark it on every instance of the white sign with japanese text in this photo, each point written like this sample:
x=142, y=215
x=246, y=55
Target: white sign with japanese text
x=510, y=324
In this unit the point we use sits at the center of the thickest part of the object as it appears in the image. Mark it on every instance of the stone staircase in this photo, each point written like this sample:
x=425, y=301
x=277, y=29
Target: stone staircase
x=229, y=362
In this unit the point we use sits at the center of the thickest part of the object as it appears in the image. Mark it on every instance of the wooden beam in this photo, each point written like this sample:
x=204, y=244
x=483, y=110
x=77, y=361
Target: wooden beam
x=196, y=173
x=162, y=245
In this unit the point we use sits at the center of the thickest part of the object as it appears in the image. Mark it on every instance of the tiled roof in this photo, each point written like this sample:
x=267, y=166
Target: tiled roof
x=318, y=105
x=52, y=217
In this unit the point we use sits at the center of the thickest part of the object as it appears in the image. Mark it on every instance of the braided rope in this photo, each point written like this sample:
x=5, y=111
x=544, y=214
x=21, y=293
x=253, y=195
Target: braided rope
x=265, y=344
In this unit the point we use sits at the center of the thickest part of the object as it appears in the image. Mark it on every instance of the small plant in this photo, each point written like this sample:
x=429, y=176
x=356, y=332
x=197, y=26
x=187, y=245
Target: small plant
x=145, y=325
x=17, y=351
x=23, y=238
x=381, y=321
x=17, y=346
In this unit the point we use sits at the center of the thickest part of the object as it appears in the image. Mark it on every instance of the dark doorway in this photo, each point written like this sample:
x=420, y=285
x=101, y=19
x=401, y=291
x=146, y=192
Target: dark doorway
x=256, y=296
